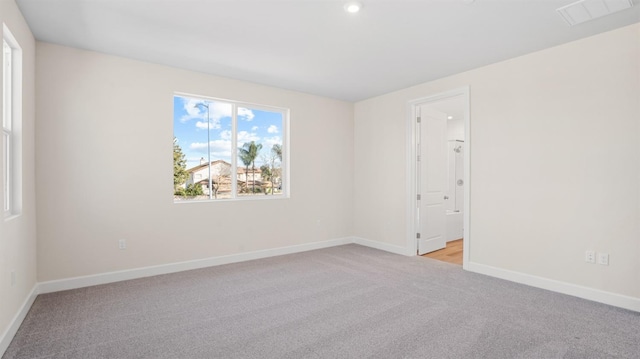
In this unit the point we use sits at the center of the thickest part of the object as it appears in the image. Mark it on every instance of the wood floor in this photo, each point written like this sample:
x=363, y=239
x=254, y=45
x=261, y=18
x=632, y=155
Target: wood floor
x=452, y=253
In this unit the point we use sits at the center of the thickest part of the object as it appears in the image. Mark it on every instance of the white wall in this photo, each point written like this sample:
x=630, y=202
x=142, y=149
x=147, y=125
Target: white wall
x=104, y=161
x=18, y=235
x=555, y=162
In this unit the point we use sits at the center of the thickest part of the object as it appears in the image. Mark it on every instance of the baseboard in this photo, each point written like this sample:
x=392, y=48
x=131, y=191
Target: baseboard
x=11, y=331
x=117, y=276
x=110, y=277
x=596, y=295
x=382, y=246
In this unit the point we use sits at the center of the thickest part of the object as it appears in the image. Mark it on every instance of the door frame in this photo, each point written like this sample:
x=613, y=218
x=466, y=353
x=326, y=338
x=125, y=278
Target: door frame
x=411, y=169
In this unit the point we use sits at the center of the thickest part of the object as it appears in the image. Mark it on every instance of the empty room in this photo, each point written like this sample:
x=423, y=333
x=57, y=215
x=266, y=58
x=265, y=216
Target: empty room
x=373, y=178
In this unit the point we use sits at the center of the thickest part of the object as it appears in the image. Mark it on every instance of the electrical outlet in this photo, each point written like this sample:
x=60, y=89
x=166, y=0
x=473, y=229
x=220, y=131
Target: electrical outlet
x=603, y=259
x=122, y=244
x=590, y=256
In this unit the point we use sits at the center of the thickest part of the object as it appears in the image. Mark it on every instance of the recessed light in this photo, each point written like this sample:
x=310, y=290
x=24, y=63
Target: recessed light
x=352, y=7
x=449, y=117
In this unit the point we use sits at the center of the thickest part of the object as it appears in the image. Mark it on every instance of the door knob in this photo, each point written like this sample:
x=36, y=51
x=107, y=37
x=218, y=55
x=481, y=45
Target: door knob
x=446, y=197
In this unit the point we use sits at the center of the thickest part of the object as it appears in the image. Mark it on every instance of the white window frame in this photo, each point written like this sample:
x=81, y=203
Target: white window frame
x=11, y=123
x=285, y=164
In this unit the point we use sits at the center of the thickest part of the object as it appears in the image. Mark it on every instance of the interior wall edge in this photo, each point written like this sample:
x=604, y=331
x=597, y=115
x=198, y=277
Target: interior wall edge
x=391, y=248
x=128, y=274
x=592, y=294
x=12, y=329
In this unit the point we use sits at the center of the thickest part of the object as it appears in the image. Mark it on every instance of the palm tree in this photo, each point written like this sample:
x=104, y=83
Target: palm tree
x=248, y=153
x=246, y=160
x=277, y=150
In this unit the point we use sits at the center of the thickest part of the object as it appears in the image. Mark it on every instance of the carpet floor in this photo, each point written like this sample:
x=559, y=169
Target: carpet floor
x=341, y=302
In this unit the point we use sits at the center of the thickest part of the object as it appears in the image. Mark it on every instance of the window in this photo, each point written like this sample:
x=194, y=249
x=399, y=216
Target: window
x=228, y=150
x=6, y=124
x=11, y=125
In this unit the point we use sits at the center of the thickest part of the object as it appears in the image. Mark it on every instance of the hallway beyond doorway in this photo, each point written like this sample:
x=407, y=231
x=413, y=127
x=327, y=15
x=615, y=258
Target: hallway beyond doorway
x=452, y=253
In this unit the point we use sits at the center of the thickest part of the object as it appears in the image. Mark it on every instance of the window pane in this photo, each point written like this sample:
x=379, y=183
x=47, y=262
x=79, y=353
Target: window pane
x=6, y=163
x=6, y=85
x=202, y=149
x=259, y=139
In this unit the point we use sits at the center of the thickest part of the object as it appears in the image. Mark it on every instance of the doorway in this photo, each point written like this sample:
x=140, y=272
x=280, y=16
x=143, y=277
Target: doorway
x=452, y=253
x=438, y=172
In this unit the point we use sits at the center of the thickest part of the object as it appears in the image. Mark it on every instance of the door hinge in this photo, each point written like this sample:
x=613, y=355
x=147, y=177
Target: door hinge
x=418, y=197
x=419, y=119
x=418, y=235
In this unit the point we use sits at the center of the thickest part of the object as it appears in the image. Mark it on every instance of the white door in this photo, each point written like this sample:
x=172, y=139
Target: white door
x=432, y=178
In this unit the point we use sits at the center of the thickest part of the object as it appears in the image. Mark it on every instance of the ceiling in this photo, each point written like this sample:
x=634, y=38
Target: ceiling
x=314, y=46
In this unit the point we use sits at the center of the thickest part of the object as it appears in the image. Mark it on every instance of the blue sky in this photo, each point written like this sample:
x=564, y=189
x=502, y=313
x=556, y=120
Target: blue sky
x=190, y=128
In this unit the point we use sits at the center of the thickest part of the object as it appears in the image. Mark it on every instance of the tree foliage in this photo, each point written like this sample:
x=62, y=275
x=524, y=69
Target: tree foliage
x=223, y=173
x=277, y=150
x=180, y=173
x=191, y=190
x=246, y=160
x=248, y=154
x=267, y=175
x=270, y=170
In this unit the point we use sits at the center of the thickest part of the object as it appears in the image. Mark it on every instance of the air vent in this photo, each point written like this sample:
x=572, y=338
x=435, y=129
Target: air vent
x=586, y=10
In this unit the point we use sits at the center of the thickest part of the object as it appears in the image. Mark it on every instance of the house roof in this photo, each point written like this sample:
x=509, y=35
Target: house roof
x=243, y=170
x=205, y=165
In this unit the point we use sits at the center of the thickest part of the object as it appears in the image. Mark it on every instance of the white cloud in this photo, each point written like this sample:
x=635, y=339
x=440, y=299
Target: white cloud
x=245, y=114
x=203, y=125
x=191, y=109
x=220, y=149
x=272, y=129
x=217, y=111
x=225, y=135
x=268, y=142
x=215, y=145
x=255, y=128
x=198, y=146
x=244, y=136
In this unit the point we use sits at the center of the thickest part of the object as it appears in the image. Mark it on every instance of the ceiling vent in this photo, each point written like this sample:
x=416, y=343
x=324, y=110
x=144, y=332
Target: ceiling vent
x=586, y=10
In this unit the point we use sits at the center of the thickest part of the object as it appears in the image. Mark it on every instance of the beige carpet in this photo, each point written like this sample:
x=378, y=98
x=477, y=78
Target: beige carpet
x=342, y=302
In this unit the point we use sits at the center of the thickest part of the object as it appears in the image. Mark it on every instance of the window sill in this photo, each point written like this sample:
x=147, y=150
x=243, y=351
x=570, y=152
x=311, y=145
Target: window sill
x=238, y=199
x=8, y=217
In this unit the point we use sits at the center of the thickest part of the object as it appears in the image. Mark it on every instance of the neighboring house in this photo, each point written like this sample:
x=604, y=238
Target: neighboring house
x=220, y=174
x=243, y=174
x=200, y=173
